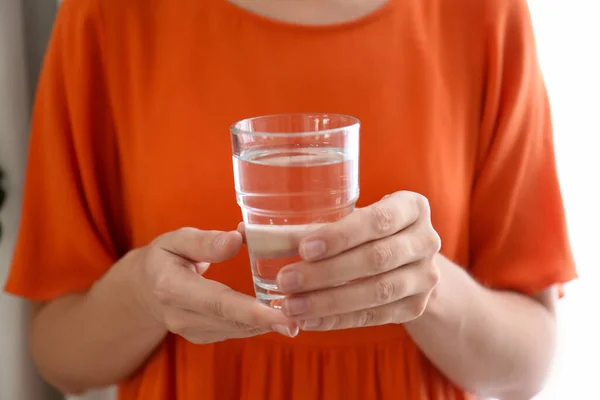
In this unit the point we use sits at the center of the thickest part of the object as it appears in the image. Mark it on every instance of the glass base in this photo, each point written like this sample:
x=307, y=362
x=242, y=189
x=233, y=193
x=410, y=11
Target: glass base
x=268, y=293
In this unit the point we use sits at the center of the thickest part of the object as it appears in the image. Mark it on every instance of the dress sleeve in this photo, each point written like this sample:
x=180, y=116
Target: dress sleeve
x=519, y=238
x=68, y=237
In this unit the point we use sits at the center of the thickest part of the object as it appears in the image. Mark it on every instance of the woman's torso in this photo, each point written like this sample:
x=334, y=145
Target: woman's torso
x=179, y=73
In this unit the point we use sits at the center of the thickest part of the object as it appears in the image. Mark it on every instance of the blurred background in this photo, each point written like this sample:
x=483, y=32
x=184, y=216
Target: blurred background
x=568, y=35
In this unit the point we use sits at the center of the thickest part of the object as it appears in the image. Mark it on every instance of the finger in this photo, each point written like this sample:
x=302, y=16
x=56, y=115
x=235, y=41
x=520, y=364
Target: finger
x=276, y=241
x=370, y=259
x=181, y=288
x=241, y=228
x=194, y=326
x=366, y=293
x=190, y=323
x=243, y=309
x=199, y=336
x=401, y=311
x=204, y=337
x=384, y=218
x=290, y=330
x=235, y=328
x=196, y=245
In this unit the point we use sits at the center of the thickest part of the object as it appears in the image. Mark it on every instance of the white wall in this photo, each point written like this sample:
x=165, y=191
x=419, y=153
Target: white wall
x=568, y=35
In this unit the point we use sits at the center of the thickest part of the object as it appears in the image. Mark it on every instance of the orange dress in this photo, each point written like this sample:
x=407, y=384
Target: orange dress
x=130, y=140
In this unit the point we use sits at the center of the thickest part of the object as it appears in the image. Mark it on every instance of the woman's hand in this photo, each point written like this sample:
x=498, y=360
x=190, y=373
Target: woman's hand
x=374, y=267
x=167, y=278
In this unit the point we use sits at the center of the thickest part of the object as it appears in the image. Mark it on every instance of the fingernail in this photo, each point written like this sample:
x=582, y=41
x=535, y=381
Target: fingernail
x=313, y=249
x=290, y=280
x=311, y=323
x=284, y=330
x=219, y=241
x=295, y=306
x=294, y=332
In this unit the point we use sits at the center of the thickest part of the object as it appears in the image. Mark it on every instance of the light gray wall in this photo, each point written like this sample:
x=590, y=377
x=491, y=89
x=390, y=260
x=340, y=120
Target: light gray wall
x=25, y=26
x=23, y=35
x=24, y=29
x=38, y=18
x=18, y=378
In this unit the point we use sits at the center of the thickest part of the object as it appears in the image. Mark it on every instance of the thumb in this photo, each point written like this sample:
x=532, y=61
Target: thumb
x=199, y=246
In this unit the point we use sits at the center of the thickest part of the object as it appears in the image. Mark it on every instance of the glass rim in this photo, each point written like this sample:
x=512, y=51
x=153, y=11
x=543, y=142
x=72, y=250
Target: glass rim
x=352, y=122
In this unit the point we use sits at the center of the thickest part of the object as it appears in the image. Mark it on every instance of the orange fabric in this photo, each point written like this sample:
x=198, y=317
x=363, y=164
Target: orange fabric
x=130, y=139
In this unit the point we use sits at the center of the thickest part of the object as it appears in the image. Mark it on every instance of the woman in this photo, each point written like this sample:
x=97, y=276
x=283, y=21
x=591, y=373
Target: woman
x=130, y=144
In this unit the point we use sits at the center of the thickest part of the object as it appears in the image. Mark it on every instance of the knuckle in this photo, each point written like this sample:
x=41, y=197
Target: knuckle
x=417, y=306
x=382, y=219
x=369, y=317
x=384, y=291
x=398, y=316
x=426, y=243
x=328, y=305
x=243, y=326
x=422, y=203
x=255, y=331
x=187, y=230
x=335, y=322
x=199, y=237
x=408, y=248
x=432, y=241
x=183, y=234
x=433, y=275
x=215, y=307
x=380, y=256
x=342, y=237
x=194, y=236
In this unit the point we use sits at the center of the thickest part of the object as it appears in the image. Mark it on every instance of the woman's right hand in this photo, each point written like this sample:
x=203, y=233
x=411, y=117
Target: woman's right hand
x=167, y=278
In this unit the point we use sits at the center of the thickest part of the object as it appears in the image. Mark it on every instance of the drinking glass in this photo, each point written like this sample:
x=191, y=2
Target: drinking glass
x=293, y=173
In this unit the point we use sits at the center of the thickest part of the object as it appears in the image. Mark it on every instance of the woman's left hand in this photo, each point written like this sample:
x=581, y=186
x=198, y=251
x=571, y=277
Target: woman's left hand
x=376, y=266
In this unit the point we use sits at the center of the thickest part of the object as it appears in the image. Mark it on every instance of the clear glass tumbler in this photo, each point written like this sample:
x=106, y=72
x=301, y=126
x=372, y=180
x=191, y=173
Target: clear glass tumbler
x=293, y=173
